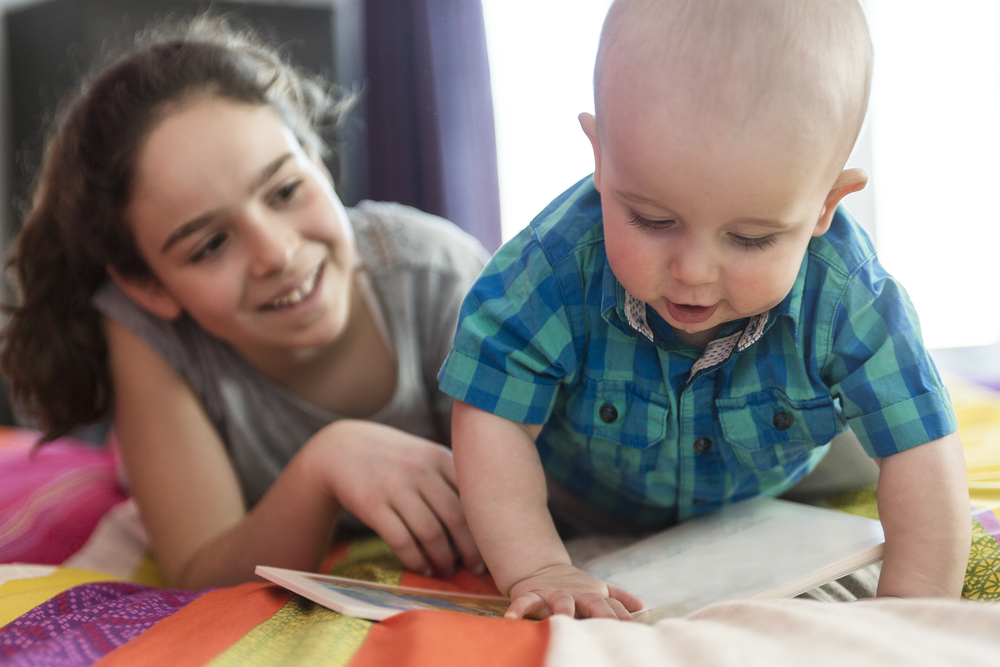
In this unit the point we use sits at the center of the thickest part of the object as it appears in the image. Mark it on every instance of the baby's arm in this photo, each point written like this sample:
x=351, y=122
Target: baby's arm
x=923, y=502
x=403, y=486
x=504, y=493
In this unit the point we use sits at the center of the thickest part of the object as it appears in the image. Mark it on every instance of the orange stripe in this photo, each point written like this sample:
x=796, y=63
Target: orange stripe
x=435, y=638
x=203, y=629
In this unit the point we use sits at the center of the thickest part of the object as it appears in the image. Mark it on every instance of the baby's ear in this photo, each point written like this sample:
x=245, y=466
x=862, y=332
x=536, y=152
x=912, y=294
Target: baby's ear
x=589, y=125
x=850, y=180
x=148, y=294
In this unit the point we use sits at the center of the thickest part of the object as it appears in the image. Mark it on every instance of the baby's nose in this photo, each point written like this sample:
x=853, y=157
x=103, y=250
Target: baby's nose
x=694, y=265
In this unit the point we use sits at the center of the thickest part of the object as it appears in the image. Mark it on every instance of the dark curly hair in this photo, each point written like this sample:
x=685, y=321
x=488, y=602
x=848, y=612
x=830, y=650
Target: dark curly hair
x=54, y=353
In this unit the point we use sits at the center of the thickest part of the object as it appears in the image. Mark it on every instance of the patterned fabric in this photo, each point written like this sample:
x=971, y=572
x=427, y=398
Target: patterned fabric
x=80, y=625
x=652, y=430
x=121, y=625
x=51, y=497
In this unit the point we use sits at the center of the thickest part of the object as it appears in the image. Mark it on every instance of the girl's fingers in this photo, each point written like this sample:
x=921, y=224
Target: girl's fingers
x=391, y=528
x=426, y=529
x=445, y=503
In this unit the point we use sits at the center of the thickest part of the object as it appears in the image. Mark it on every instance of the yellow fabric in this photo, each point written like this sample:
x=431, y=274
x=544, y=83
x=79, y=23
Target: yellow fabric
x=305, y=633
x=21, y=595
x=978, y=411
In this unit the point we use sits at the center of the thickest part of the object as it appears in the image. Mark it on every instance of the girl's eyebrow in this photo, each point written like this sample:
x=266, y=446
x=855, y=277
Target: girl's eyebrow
x=192, y=226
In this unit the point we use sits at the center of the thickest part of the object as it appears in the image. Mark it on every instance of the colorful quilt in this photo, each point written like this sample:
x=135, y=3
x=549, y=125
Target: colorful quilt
x=103, y=605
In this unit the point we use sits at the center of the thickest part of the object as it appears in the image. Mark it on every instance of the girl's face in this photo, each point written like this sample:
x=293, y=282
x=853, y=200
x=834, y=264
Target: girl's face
x=241, y=229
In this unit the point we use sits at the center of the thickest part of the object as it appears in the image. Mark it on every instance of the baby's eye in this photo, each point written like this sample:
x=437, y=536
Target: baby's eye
x=285, y=192
x=637, y=220
x=758, y=242
x=208, y=248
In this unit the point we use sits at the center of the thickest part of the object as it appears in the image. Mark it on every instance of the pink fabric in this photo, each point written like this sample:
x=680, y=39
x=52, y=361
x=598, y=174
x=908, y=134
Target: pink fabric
x=51, y=498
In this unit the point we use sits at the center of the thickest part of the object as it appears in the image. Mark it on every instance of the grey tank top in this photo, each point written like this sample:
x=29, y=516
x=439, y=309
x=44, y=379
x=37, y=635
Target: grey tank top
x=417, y=269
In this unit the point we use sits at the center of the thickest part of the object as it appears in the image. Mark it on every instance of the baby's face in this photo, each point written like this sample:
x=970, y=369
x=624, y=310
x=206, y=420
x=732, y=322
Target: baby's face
x=704, y=223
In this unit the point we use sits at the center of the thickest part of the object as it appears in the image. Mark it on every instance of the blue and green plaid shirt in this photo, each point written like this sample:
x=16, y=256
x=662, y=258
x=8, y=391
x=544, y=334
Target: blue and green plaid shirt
x=656, y=431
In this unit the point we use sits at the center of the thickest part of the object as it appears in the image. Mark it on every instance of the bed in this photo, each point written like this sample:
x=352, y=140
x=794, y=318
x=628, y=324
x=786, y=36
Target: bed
x=78, y=587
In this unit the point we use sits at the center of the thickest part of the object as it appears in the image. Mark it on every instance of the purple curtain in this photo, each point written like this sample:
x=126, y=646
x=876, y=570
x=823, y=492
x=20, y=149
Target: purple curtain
x=431, y=141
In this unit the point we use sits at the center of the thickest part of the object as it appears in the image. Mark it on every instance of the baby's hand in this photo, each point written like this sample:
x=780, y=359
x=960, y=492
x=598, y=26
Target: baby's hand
x=564, y=589
x=404, y=488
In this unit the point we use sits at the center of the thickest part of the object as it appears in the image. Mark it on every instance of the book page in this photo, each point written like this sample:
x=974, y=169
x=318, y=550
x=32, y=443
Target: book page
x=754, y=549
x=373, y=601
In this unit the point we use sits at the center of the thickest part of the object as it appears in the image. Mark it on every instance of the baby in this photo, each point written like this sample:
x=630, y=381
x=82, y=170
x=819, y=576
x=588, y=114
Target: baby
x=693, y=325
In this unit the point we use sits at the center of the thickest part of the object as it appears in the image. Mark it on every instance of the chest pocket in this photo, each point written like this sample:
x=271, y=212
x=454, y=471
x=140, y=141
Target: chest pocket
x=768, y=429
x=620, y=412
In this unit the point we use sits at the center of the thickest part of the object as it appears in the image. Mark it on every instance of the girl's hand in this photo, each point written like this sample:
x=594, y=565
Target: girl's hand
x=401, y=486
x=564, y=589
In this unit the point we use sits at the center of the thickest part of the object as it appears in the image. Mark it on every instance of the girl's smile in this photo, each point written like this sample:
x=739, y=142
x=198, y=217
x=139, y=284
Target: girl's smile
x=298, y=294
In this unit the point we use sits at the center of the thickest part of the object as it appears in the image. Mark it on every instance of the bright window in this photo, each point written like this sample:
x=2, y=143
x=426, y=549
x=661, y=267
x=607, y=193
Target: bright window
x=932, y=140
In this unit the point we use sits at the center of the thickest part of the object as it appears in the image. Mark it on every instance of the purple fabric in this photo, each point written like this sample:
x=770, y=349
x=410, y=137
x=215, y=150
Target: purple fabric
x=431, y=139
x=84, y=623
x=989, y=521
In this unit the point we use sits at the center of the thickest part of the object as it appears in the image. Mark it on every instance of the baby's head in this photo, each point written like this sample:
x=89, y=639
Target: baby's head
x=721, y=133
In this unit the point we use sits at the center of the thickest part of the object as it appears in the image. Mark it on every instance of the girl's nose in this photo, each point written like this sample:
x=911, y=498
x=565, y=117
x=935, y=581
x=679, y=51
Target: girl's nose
x=272, y=246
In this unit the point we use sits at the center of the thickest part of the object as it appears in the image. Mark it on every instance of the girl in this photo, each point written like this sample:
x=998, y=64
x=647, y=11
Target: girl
x=269, y=358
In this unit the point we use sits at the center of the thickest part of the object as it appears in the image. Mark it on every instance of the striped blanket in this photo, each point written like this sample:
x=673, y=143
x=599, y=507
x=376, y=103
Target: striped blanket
x=104, y=605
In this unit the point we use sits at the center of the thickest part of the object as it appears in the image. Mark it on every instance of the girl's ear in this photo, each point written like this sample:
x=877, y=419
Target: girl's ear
x=148, y=294
x=850, y=180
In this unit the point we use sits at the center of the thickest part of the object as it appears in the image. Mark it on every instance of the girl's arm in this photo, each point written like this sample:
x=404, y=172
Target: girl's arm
x=190, y=499
x=923, y=502
x=504, y=493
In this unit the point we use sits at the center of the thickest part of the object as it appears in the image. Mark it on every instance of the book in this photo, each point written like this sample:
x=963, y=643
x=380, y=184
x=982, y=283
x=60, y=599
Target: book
x=374, y=601
x=757, y=549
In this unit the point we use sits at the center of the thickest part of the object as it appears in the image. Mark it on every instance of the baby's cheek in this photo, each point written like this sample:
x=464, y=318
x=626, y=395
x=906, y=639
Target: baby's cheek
x=758, y=290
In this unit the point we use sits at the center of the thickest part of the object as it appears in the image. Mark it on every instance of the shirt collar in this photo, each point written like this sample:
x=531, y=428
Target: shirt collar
x=628, y=314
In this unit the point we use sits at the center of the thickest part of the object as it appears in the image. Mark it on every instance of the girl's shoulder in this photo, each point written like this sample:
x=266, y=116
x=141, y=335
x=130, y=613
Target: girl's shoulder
x=393, y=237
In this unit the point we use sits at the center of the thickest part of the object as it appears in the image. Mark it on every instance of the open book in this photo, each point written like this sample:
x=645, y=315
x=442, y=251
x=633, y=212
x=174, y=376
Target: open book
x=753, y=550
x=366, y=599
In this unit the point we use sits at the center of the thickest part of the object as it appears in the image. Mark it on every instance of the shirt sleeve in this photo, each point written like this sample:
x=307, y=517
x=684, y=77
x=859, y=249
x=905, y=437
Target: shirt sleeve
x=889, y=389
x=514, y=342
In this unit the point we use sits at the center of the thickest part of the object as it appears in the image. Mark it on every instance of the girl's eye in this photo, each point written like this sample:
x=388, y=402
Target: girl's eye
x=756, y=242
x=637, y=220
x=285, y=192
x=208, y=248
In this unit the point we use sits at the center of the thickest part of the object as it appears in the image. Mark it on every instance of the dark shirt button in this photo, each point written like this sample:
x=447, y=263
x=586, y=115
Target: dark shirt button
x=782, y=421
x=608, y=413
x=702, y=445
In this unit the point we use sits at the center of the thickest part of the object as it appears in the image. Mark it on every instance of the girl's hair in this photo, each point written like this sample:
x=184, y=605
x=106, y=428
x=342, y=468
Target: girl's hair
x=53, y=348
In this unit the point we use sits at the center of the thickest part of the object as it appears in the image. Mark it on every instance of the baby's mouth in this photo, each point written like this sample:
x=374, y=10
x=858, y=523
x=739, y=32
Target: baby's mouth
x=300, y=293
x=689, y=314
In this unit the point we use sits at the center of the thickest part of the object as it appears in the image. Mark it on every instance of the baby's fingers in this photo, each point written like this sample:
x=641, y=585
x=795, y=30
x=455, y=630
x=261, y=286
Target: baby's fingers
x=629, y=601
x=529, y=604
x=592, y=605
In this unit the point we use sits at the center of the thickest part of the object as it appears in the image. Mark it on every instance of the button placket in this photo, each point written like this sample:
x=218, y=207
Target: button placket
x=782, y=421
x=702, y=445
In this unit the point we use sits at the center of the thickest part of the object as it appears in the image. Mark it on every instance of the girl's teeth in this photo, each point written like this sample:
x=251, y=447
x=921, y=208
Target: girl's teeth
x=299, y=293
